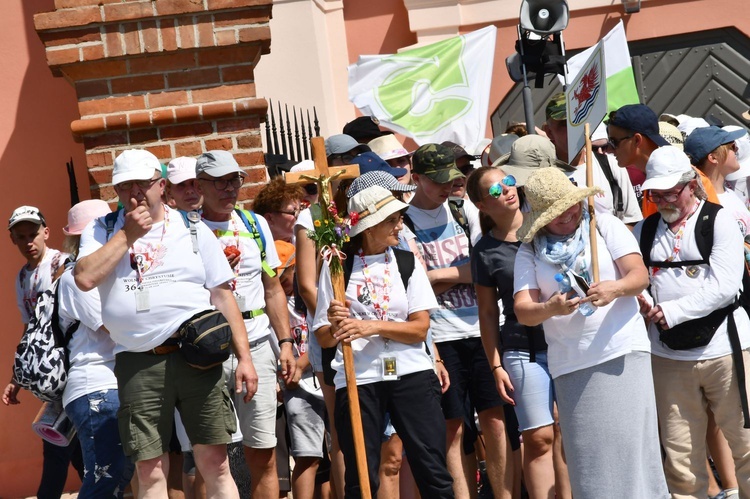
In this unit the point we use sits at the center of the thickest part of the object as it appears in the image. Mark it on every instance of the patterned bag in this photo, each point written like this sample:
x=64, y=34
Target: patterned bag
x=41, y=362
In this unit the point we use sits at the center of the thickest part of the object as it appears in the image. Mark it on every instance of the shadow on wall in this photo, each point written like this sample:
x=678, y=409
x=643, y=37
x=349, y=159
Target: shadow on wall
x=36, y=142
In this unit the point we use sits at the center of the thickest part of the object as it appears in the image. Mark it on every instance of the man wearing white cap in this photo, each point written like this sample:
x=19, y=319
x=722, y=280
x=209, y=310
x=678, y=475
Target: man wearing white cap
x=29, y=233
x=182, y=190
x=262, y=302
x=694, y=285
x=153, y=276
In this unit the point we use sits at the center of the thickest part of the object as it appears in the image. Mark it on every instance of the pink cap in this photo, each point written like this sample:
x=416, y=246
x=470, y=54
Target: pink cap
x=181, y=169
x=82, y=213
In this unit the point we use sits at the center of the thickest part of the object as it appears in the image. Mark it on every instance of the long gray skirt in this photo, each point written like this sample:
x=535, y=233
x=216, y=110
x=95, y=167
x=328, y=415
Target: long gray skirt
x=609, y=429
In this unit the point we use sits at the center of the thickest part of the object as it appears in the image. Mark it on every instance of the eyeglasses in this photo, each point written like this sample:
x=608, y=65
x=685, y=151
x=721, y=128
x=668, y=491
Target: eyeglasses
x=143, y=185
x=221, y=184
x=667, y=197
x=346, y=157
x=613, y=143
x=496, y=189
x=732, y=146
x=311, y=189
x=294, y=213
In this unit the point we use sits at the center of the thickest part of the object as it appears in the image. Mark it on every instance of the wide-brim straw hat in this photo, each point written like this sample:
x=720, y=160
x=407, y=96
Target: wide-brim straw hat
x=549, y=193
x=373, y=205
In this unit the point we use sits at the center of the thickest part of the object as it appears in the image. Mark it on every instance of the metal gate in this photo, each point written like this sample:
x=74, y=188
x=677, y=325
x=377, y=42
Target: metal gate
x=704, y=74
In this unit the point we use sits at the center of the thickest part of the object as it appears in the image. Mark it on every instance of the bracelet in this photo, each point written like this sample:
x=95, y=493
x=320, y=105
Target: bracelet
x=441, y=361
x=285, y=340
x=495, y=368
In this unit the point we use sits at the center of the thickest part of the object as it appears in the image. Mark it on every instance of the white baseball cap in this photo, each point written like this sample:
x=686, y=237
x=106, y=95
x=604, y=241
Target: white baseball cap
x=134, y=164
x=181, y=169
x=665, y=167
x=26, y=214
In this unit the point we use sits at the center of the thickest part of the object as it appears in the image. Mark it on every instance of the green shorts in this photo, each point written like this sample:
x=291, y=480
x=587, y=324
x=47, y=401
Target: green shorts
x=152, y=386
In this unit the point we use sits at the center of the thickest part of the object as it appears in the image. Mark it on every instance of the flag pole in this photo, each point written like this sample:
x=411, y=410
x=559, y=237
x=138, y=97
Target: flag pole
x=592, y=214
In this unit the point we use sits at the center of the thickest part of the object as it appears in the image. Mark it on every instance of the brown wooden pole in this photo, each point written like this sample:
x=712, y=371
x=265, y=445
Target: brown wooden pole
x=592, y=213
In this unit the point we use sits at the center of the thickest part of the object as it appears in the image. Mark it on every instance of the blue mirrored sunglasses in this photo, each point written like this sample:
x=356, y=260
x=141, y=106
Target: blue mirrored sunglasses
x=496, y=189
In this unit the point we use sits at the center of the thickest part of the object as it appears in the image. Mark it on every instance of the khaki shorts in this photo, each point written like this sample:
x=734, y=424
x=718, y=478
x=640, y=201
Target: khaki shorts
x=152, y=386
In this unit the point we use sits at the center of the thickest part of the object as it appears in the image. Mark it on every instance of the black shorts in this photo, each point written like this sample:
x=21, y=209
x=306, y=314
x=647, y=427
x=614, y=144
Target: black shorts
x=469, y=373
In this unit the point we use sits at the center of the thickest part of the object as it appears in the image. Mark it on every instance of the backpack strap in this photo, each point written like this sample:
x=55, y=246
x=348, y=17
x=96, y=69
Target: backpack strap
x=191, y=219
x=251, y=222
x=739, y=365
x=409, y=222
x=648, y=233
x=704, y=229
x=459, y=215
x=110, y=219
x=617, y=200
x=62, y=338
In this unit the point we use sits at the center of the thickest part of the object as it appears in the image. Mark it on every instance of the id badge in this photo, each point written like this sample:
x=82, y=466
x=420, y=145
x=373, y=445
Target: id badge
x=142, y=300
x=389, y=367
x=240, y=301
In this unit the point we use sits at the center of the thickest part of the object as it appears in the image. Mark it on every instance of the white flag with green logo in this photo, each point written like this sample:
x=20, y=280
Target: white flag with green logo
x=621, y=89
x=433, y=93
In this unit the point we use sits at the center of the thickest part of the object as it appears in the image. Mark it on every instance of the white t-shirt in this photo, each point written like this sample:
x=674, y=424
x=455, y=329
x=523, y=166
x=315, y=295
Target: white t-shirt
x=176, y=279
x=734, y=205
x=740, y=188
x=91, y=350
x=409, y=358
x=576, y=342
x=248, y=285
x=684, y=298
x=604, y=203
x=32, y=283
x=443, y=243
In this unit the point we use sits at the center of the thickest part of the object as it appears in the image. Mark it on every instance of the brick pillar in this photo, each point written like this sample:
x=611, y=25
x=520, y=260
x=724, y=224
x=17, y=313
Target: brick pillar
x=171, y=76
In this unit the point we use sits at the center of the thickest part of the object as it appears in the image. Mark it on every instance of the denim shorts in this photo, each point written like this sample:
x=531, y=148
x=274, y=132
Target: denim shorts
x=533, y=391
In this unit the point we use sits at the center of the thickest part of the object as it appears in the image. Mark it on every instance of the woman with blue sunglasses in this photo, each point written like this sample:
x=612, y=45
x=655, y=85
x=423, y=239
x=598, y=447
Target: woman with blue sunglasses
x=517, y=353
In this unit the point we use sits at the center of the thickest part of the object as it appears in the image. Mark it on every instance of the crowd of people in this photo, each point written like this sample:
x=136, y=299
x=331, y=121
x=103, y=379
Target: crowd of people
x=508, y=341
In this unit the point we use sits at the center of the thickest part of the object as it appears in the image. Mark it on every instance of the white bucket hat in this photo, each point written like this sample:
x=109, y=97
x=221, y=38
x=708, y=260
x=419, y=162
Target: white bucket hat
x=665, y=167
x=373, y=205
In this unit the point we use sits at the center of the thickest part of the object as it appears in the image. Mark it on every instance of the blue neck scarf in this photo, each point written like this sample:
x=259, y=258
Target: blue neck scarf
x=568, y=252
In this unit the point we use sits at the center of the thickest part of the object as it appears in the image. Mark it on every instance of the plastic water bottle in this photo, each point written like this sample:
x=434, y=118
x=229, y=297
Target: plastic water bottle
x=563, y=282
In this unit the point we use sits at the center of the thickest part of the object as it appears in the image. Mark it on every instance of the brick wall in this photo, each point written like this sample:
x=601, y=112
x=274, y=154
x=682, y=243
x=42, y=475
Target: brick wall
x=171, y=76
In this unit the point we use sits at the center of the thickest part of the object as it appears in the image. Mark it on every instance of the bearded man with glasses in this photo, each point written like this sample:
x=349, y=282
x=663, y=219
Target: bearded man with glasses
x=151, y=280
x=248, y=245
x=694, y=280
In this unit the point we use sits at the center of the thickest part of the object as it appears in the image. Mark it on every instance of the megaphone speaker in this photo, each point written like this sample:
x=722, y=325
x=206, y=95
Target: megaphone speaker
x=544, y=17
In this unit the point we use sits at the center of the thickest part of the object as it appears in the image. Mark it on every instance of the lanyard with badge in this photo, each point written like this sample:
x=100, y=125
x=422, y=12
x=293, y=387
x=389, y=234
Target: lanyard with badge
x=240, y=299
x=142, y=299
x=388, y=364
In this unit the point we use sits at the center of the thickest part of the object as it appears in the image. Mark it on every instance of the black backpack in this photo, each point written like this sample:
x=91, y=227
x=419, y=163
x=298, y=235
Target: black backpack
x=704, y=239
x=405, y=262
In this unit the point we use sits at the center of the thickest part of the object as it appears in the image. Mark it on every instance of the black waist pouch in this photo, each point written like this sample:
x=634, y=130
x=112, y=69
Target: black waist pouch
x=205, y=339
x=697, y=332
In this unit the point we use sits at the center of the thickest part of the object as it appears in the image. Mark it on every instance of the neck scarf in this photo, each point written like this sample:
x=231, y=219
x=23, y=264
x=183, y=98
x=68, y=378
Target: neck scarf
x=569, y=252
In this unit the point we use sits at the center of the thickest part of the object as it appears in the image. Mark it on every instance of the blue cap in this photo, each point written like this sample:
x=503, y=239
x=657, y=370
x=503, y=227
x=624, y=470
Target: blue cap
x=704, y=140
x=641, y=119
x=371, y=162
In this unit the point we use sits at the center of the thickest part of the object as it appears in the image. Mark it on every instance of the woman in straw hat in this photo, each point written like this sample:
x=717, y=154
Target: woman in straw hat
x=517, y=353
x=600, y=363
x=386, y=324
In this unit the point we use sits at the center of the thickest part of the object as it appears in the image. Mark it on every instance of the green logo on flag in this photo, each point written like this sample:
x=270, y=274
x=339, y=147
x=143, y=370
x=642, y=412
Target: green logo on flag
x=427, y=89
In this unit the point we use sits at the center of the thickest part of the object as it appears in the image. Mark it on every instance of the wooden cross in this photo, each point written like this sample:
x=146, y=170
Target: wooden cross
x=323, y=175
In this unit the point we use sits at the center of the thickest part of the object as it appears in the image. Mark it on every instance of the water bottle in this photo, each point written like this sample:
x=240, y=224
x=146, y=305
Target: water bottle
x=563, y=282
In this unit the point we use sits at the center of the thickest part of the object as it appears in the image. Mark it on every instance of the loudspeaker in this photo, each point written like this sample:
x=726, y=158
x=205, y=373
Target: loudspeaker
x=544, y=17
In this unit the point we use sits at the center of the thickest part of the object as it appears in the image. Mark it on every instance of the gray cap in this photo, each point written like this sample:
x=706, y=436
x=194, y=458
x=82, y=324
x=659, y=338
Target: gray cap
x=341, y=143
x=217, y=164
x=528, y=154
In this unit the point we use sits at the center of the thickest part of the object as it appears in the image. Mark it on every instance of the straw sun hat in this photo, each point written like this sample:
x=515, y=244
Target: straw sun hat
x=373, y=205
x=549, y=193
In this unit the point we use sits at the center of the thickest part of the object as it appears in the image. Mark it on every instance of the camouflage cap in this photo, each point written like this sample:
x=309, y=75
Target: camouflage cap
x=556, y=107
x=437, y=162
